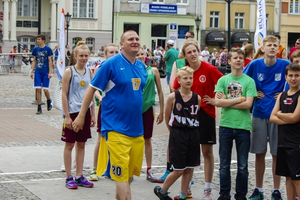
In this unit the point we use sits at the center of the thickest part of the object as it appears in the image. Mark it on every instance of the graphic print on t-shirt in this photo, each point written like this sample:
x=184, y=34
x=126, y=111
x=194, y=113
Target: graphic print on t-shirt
x=234, y=90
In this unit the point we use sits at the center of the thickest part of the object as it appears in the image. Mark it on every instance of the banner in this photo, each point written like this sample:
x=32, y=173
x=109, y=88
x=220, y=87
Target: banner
x=261, y=24
x=60, y=66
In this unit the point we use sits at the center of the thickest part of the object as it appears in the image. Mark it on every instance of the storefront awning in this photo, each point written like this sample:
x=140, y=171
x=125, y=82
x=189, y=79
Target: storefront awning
x=215, y=37
x=240, y=37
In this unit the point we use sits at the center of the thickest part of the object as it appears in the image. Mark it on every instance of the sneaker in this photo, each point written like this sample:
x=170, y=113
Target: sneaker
x=160, y=195
x=163, y=178
x=49, y=104
x=39, y=110
x=70, y=183
x=240, y=197
x=188, y=195
x=93, y=175
x=192, y=181
x=85, y=166
x=256, y=195
x=276, y=195
x=207, y=194
x=151, y=177
x=222, y=197
x=81, y=181
x=63, y=168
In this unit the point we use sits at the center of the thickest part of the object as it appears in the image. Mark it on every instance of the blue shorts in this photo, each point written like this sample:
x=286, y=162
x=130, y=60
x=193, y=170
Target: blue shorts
x=168, y=77
x=41, y=80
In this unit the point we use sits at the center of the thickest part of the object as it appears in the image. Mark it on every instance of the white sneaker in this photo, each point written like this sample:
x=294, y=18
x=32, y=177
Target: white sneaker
x=62, y=168
x=85, y=166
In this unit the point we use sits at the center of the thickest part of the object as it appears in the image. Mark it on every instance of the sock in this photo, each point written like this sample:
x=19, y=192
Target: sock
x=207, y=185
x=163, y=191
x=169, y=167
x=260, y=189
x=182, y=194
x=77, y=177
x=148, y=168
x=39, y=106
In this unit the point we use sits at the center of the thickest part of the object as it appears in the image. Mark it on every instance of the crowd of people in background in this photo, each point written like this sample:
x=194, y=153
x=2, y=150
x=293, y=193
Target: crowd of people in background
x=253, y=85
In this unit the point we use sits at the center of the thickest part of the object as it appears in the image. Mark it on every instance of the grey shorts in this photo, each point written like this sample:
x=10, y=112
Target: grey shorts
x=263, y=131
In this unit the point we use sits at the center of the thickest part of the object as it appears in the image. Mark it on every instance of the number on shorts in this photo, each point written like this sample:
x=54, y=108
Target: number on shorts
x=117, y=170
x=136, y=83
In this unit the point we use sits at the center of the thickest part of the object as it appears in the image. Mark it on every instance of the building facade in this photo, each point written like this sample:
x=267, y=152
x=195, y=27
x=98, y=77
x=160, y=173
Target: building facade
x=156, y=21
x=91, y=21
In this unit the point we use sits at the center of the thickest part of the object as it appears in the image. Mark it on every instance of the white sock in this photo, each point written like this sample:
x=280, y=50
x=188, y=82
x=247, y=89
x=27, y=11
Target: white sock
x=207, y=185
x=260, y=189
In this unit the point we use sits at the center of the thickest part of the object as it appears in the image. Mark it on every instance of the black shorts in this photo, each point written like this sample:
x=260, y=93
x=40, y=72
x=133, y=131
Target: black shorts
x=184, y=148
x=207, y=128
x=288, y=162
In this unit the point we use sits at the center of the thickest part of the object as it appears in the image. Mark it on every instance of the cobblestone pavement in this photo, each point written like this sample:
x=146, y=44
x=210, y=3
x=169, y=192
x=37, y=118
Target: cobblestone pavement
x=16, y=92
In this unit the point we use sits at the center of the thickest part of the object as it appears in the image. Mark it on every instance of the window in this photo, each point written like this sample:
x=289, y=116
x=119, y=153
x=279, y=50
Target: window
x=30, y=42
x=134, y=27
x=182, y=1
x=83, y=8
x=90, y=43
x=27, y=8
x=214, y=19
x=295, y=7
x=134, y=1
x=239, y=20
x=75, y=40
x=267, y=21
x=158, y=1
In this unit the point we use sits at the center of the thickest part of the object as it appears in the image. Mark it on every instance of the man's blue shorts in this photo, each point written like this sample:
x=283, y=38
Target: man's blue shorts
x=41, y=80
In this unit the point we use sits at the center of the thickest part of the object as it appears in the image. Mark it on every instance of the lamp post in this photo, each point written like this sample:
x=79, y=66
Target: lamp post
x=68, y=18
x=228, y=33
x=197, y=21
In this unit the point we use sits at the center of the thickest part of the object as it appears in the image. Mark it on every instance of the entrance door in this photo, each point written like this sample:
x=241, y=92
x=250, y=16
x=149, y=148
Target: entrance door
x=157, y=41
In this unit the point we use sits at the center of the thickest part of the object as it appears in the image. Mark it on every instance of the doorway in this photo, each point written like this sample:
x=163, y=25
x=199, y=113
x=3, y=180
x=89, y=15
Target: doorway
x=157, y=41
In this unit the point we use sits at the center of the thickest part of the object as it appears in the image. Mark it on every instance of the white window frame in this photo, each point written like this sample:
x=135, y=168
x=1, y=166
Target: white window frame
x=213, y=16
x=182, y=3
x=90, y=11
x=158, y=1
x=28, y=41
x=134, y=1
x=33, y=10
x=90, y=42
x=74, y=40
x=294, y=8
x=238, y=18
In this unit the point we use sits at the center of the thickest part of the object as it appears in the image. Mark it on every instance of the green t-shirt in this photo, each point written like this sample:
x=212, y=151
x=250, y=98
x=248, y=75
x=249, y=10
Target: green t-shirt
x=236, y=87
x=149, y=90
x=180, y=63
x=171, y=56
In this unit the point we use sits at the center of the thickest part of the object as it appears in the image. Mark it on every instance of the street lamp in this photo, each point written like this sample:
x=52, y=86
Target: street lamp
x=197, y=21
x=228, y=34
x=68, y=18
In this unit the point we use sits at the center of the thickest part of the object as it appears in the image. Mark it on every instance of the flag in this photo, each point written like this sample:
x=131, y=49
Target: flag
x=60, y=64
x=261, y=24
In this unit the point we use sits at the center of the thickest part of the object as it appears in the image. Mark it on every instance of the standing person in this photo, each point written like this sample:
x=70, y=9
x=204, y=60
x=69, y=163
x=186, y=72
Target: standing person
x=41, y=71
x=206, y=77
x=25, y=57
x=188, y=35
x=268, y=74
x=170, y=57
x=296, y=47
x=249, y=52
x=235, y=93
x=205, y=54
x=74, y=84
x=282, y=51
x=12, y=59
x=109, y=51
x=259, y=54
x=223, y=61
x=67, y=55
x=157, y=55
x=184, y=137
x=122, y=78
x=244, y=45
x=286, y=114
x=145, y=49
x=101, y=52
x=153, y=79
x=214, y=56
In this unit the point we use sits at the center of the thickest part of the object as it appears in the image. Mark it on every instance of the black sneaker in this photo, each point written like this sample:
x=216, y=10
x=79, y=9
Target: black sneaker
x=240, y=197
x=49, y=104
x=222, y=197
x=157, y=192
x=39, y=110
x=257, y=195
x=276, y=195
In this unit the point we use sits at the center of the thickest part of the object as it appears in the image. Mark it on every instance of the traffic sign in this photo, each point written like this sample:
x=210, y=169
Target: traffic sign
x=173, y=26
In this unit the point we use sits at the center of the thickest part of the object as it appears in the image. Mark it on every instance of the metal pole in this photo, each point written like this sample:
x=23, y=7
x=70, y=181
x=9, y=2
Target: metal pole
x=229, y=29
x=113, y=21
x=39, y=17
x=197, y=34
x=67, y=33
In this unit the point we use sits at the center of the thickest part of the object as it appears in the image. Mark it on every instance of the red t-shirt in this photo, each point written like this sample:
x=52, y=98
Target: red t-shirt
x=246, y=62
x=205, y=79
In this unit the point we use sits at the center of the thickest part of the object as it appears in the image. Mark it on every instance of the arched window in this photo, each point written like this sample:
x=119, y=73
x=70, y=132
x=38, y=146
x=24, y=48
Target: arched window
x=90, y=42
x=75, y=40
x=29, y=41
